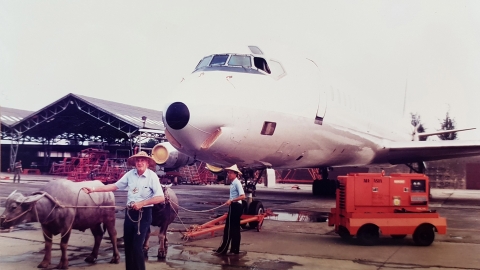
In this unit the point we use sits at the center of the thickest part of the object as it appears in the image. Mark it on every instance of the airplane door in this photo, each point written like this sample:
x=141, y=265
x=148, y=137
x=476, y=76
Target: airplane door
x=322, y=95
x=322, y=106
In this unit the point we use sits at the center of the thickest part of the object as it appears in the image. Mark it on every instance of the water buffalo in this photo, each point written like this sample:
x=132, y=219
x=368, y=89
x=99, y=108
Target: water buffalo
x=163, y=215
x=61, y=206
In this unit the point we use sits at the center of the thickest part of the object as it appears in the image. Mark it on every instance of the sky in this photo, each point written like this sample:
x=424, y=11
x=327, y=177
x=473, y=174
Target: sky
x=136, y=52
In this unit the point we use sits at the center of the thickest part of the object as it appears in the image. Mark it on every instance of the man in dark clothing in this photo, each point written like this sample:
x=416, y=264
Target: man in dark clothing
x=231, y=232
x=17, y=170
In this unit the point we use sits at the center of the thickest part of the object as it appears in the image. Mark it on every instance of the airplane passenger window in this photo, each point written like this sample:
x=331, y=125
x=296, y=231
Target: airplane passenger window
x=219, y=59
x=240, y=60
x=260, y=63
x=204, y=62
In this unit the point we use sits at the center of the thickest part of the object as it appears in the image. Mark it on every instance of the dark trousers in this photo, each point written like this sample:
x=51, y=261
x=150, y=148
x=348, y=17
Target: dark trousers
x=17, y=173
x=232, y=229
x=134, y=258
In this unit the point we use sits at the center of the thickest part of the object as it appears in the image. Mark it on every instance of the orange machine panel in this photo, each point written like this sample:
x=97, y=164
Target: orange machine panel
x=371, y=190
x=400, y=192
x=409, y=190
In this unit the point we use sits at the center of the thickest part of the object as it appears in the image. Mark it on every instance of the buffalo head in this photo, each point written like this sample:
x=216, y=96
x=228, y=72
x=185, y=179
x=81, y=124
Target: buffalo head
x=17, y=208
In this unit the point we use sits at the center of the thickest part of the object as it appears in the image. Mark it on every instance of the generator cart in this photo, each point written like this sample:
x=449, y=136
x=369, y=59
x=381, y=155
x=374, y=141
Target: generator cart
x=370, y=204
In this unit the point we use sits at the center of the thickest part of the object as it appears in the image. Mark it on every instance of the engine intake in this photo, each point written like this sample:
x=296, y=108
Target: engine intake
x=168, y=157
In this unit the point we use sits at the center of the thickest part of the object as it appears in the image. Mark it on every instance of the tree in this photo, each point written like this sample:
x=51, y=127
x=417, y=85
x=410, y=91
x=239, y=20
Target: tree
x=448, y=123
x=418, y=126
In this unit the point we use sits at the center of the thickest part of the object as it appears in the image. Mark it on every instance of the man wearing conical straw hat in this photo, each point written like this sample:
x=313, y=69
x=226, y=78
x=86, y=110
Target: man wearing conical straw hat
x=144, y=190
x=231, y=232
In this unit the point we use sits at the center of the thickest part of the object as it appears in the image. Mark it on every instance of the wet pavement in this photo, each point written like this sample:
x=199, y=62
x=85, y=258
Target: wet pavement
x=296, y=239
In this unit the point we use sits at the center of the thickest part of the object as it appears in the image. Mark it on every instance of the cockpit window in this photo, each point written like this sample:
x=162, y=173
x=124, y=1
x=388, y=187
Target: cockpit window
x=240, y=60
x=219, y=59
x=260, y=63
x=243, y=63
x=204, y=62
x=277, y=69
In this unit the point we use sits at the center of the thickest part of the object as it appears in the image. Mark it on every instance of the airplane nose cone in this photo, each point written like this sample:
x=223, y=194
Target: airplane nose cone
x=177, y=115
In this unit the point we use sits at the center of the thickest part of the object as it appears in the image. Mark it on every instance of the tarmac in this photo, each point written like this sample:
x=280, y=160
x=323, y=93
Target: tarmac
x=279, y=245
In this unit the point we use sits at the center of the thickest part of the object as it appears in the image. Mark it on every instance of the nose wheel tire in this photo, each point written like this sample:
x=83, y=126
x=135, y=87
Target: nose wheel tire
x=255, y=208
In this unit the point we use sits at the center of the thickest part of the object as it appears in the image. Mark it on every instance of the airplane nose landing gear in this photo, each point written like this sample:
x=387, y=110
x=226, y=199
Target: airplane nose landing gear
x=177, y=115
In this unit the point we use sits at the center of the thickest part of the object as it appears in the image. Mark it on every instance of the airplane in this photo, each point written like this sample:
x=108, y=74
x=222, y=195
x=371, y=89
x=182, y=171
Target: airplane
x=245, y=108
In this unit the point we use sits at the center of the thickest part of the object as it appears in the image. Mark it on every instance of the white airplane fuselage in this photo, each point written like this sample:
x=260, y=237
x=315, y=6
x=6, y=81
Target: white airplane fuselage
x=315, y=125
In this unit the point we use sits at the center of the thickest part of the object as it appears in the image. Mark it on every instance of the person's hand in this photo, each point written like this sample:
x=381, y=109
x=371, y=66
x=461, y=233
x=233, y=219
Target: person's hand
x=137, y=206
x=228, y=202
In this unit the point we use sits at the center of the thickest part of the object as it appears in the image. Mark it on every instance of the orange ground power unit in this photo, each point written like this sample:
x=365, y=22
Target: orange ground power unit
x=372, y=204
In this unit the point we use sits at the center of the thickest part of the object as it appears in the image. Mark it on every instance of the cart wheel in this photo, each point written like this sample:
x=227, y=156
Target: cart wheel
x=424, y=235
x=344, y=233
x=368, y=235
x=245, y=211
x=255, y=208
x=398, y=236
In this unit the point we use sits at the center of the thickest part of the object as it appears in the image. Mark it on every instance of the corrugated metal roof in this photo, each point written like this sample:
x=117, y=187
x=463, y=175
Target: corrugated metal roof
x=129, y=113
x=8, y=116
x=89, y=118
x=125, y=112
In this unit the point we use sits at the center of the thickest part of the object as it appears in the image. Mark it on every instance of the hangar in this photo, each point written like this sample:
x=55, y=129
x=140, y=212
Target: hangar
x=72, y=123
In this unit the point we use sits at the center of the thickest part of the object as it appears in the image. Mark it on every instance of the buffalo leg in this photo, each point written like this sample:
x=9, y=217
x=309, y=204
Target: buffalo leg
x=162, y=241
x=112, y=232
x=97, y=235
x=48, y=249
x=63, y=264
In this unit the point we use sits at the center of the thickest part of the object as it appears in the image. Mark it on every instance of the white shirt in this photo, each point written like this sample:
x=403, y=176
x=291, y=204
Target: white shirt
x=140, y=187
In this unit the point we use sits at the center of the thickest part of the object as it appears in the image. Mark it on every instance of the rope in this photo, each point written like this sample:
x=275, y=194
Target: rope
x=136, y=221
x=200, y=211
x=55, y=206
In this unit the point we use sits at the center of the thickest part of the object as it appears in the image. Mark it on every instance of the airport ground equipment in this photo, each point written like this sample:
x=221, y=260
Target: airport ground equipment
x=197, y=174
x=254, y=220
x=372, y=204
x=91, y=164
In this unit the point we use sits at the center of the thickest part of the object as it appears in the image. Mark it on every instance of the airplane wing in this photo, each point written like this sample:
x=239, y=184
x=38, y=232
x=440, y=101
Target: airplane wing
x=427, y=134
x=418, y=151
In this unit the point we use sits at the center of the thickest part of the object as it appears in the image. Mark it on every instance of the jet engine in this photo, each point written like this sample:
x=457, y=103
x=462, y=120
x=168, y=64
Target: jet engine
x=168, y=157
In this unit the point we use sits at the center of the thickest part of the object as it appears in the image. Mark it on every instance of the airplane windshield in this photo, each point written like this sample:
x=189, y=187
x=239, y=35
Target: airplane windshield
x=240, y=60
x=233, y=62
x=219, y=60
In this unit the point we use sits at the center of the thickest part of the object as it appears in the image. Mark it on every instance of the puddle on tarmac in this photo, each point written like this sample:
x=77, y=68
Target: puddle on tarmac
x=300, y=216
x=203, y=258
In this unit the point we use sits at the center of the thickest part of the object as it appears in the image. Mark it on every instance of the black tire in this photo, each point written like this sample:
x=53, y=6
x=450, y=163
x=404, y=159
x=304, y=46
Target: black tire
x=316, y=187
x=245, y=211
x=255, y=208
x=344, y=233
x=368, y=235
x=398, y=236
x=424, y=235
